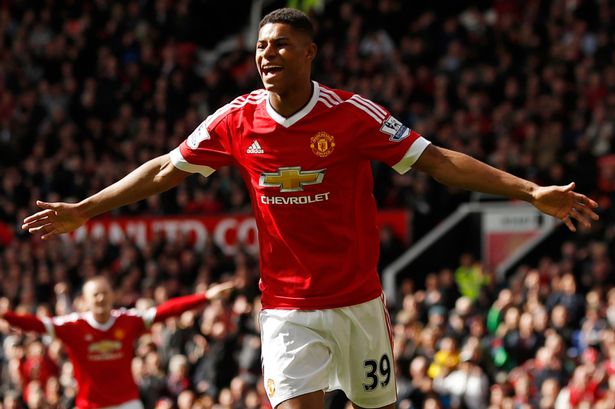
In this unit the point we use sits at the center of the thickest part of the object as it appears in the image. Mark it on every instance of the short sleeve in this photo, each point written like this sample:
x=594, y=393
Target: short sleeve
x=139, y=321
x=384, y=138
x=63, y=327
x=206, y=149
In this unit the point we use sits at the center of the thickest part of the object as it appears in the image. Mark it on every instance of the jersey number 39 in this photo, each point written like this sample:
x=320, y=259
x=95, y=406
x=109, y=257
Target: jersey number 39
x=377, y=373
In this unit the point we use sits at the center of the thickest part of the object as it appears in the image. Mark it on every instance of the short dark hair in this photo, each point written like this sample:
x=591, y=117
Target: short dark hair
x=293, y=17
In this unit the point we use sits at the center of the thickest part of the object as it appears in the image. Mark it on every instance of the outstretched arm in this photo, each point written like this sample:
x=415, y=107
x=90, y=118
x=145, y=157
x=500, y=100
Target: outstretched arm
x=177, y=306
x=154, y=176
x=460, y=170
x=26, y=322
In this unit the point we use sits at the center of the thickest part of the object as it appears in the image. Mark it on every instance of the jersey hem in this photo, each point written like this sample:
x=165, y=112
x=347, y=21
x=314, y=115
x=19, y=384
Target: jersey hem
x=325, y=303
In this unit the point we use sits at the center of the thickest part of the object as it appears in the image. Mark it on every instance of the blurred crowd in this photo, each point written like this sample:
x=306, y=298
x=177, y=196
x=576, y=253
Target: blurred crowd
x=544, y=338
x=91, y=89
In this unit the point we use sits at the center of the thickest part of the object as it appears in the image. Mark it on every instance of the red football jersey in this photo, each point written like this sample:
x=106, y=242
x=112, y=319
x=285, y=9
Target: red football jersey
x=310, y=182
x=102, y=354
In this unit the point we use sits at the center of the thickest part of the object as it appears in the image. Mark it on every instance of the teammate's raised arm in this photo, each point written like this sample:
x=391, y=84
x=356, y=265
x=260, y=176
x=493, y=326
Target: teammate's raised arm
x=26, y=322
x=154, y=176
x=217, y=291
x=176, y=306
x=460, y=170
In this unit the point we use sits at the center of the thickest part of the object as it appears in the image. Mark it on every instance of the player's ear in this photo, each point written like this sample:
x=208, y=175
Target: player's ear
x=311, y=51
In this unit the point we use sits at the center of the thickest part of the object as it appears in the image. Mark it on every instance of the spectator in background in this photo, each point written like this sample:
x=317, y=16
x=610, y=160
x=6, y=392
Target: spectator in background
x=583, y=389
x=549, y=390
x=37, y=365
x=467, y=385
x=568, y=297
x=560, y=322
x=177, y=380
x=11, y=401
x=470, y=277
x=152, y=385
x=420, y=384
x=445, y=359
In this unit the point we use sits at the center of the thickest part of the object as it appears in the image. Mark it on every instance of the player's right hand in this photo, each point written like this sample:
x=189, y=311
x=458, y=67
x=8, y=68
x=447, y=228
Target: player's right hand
x=219, y=290
x=56, y=218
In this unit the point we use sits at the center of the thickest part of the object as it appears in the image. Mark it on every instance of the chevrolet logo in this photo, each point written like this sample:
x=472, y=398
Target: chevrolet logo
x=291, y=179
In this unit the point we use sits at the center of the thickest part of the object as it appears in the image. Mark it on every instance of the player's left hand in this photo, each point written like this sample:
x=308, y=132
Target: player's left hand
x=565, y=204
x=219, y=290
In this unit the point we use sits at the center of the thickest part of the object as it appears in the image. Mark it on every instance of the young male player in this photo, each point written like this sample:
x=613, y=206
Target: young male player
x=100, y=342
x=304, y=151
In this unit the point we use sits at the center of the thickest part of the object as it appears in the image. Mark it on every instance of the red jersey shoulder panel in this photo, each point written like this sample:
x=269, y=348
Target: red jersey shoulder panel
x=364, y=108
x=253, y=98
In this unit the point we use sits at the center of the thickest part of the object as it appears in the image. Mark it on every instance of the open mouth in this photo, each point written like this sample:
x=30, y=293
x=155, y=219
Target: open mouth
x=271, y=70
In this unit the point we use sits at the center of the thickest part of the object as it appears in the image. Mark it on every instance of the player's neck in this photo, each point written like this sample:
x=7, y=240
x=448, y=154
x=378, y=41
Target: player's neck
x=290, y=103
x=101, y=318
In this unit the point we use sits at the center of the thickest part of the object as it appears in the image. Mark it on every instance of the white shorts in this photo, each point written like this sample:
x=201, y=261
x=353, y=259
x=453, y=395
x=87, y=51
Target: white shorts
x=131, y=404
x=345, y=348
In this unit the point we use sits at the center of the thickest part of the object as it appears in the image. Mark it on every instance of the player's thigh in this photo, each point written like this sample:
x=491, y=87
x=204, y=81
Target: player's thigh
x=370, y=378
x=296, y=358
x=313, y=400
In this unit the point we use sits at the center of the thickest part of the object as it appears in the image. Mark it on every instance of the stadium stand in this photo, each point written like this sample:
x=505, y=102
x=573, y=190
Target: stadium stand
x=90, y=89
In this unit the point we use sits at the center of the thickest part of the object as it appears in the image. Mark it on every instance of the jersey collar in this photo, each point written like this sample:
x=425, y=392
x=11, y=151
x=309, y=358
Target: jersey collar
x=287, y=122
x=89, y=317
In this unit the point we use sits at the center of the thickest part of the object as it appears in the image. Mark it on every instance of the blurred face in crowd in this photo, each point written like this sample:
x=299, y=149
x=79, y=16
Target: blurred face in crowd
x=418, y=367
x=185, y=400
x=526, y=323
x=511, y=318
x=549, y=390
x=568, y=284
x=541, y=319
x=283, y=58
x=522, y=386
x=98, y=298
x=559, y=316
x=11, y=401
x=432, y=403
x=35, y=396
x=477, y=328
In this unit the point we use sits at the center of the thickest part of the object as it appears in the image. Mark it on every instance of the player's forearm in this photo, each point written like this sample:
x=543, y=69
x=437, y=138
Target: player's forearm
x=177, y=306
x=460, y=170
x=26, y=322
x=154, y=176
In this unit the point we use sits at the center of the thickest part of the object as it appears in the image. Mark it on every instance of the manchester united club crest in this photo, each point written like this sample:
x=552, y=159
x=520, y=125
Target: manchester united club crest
x=119, y=334
x=270, y=387
x=322, y=144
